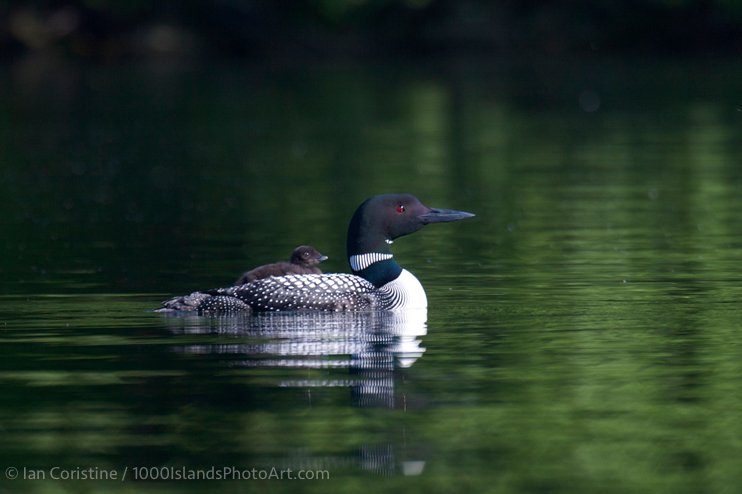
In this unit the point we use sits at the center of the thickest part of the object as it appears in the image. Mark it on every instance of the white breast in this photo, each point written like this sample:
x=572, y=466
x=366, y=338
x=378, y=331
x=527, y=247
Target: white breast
x=406, y=292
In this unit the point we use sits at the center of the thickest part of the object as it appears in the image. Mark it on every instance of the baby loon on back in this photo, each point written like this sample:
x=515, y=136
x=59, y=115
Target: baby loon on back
x=303, y=261
x=377, y=282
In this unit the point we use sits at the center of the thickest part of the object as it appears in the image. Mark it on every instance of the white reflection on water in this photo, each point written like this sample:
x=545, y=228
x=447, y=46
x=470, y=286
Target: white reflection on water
x=371, y=345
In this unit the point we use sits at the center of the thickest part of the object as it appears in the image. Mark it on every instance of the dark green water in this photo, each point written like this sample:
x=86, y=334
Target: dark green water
x=583, y=333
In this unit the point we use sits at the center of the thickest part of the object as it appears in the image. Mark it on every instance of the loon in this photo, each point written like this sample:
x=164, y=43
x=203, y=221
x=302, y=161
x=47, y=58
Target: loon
x=377, y=281
x=303, y=261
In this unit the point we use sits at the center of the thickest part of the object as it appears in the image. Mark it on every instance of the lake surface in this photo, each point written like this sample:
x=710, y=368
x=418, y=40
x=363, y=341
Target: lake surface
x=583, y=333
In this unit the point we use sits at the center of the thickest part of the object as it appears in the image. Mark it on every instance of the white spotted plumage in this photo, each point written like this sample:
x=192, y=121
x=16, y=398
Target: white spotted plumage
x=326, y=292
x=329, y=292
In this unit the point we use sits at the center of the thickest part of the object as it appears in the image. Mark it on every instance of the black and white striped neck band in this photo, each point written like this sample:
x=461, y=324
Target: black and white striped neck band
x=362, y=261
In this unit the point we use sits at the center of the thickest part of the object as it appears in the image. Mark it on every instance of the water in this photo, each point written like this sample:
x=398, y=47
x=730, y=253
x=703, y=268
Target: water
x=582, y=333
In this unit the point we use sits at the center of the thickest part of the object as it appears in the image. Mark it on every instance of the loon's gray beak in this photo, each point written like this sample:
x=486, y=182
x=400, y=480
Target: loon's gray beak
x=443, y=215
x=323, y=258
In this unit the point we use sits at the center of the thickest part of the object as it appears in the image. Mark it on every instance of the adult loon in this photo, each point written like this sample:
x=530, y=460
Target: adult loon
x=377, y=282
x=304, y=260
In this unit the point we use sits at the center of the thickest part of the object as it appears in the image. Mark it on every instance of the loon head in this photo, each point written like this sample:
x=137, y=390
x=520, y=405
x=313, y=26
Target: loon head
x=379, y=221
x=306, y=255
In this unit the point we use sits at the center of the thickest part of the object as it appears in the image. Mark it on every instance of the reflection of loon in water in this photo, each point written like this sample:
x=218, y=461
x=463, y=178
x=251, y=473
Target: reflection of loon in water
x=372, y=346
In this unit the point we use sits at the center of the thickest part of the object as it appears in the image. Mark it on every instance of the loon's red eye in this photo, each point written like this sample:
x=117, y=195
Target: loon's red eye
x=400, y=208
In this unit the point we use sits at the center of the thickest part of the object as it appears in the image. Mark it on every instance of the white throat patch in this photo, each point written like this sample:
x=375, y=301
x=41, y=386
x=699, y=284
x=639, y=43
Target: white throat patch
x=362, y=261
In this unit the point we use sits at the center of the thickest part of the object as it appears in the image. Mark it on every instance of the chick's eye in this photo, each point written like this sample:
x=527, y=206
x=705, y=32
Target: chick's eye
x=400, y=208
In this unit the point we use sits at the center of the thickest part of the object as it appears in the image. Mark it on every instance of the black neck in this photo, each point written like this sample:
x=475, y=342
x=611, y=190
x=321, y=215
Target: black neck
x=381, y=272
x=366, y=236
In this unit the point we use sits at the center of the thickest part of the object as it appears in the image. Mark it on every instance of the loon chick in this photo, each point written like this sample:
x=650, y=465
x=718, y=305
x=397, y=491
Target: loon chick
x=377, y=282
x=303, y=261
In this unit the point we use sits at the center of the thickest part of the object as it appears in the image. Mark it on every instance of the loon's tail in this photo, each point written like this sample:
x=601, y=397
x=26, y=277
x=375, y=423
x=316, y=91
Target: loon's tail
x=184, y=303
x=209, y=302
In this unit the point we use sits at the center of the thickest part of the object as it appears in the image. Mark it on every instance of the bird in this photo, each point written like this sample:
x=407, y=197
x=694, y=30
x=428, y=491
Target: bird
x=304, y=260
x=377, y=281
